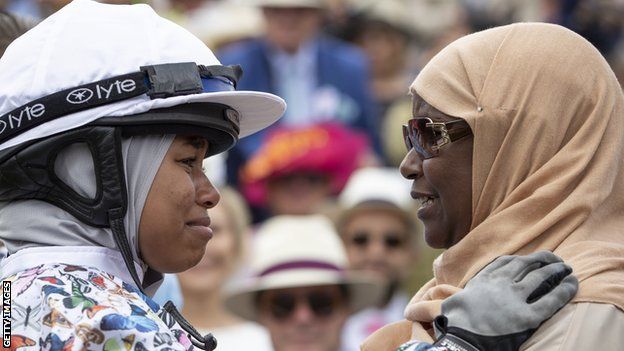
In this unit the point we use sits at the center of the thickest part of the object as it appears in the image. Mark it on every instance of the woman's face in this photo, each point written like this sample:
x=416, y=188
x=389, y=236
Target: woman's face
x=219, y=260
x=385, y=47
x=288, y=28
x=299, y=193
x=174, y=226
x=442, y=184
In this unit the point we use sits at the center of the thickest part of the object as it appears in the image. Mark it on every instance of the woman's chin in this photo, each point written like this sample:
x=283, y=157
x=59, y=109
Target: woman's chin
x=177, y=266
x=435, y=239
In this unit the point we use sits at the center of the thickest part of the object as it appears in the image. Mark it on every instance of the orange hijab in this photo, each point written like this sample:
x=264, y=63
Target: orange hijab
x=547, y=115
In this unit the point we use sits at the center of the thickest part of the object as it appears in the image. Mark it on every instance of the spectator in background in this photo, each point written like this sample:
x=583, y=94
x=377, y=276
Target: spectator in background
x=216, y=27
x=297, y=170
x=601, y=23
x=203, y=284
x=495, y=174
x=379, y=232
x=300, y=289
x=383, y=30
x=321, y=78
x=11, y=27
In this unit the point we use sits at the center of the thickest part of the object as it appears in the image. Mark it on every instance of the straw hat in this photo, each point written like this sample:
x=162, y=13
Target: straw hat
x=299, y=251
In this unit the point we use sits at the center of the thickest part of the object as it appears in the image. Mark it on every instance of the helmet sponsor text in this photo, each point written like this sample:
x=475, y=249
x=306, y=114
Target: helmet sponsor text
x=94, y=95
x=12, y=121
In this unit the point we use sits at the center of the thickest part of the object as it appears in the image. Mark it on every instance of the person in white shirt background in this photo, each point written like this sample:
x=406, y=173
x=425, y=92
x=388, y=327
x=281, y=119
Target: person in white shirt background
x=380, y=235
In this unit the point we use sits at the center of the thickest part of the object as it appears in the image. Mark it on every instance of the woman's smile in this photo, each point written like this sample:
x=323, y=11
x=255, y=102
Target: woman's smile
x=428, y=203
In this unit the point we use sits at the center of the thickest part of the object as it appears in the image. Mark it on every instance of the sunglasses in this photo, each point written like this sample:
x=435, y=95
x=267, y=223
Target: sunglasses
x=426, y=137
x=321, y=303
x=390, y=240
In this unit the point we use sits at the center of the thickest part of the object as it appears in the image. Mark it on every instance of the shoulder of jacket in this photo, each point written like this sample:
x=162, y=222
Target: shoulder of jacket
x=342, y=51
x=580, y=326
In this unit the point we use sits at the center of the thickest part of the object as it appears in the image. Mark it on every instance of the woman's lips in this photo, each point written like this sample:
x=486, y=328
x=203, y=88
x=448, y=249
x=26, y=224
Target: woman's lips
x=201, y=226
x=427, y=209
x=427, y=203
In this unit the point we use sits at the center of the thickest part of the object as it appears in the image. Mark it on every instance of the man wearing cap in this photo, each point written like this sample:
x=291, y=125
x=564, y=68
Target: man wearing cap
x=321, y=78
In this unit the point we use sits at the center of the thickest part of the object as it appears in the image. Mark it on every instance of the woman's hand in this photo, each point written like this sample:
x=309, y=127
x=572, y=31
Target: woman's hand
x=503, y=305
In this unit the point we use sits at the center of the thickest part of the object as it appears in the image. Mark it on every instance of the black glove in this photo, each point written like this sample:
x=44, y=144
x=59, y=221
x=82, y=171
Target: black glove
x=503, y=305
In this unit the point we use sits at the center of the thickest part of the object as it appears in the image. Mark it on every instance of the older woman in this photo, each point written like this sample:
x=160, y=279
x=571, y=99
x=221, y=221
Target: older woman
x=516, y=145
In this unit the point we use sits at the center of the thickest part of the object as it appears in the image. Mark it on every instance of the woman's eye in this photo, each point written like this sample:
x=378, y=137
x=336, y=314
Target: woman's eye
x=189, y=161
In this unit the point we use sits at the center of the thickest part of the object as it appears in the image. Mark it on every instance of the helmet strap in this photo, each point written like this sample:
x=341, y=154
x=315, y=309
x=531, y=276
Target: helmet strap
x=29, y=175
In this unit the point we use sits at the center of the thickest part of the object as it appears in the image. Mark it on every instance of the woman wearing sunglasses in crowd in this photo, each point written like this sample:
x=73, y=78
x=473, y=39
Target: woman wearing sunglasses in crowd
x=516, y=145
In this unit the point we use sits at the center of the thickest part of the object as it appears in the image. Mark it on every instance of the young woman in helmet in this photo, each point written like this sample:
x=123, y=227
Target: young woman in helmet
x=109, y=113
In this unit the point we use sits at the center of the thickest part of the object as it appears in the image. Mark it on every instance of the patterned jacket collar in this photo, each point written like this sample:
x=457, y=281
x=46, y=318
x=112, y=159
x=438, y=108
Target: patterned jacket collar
x=104, y=259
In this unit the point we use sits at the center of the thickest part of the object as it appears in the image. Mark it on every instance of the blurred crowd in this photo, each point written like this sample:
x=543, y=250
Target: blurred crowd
x=328, y=170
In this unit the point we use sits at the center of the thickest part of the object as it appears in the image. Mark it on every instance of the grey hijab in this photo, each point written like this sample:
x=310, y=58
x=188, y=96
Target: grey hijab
x=33, y=223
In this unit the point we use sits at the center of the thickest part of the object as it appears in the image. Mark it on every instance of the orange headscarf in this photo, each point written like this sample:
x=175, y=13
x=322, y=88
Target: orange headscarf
x=547, y=115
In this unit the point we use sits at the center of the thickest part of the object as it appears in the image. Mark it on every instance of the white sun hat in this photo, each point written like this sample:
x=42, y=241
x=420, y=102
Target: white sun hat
x=376, y=184
x=214, y=23
x=300, y=251
x=87, y=42
x=377, y=189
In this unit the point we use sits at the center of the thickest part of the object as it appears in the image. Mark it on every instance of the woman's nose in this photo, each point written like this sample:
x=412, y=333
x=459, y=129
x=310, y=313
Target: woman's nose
x=206, y=194
x=411, y=166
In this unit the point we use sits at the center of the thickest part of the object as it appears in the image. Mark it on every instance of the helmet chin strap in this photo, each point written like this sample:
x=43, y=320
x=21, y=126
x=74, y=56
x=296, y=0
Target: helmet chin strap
x=207, y=342
x=29, y=174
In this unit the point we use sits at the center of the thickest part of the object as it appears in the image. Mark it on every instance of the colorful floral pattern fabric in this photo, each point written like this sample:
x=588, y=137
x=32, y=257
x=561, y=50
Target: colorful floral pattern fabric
x=64, y=307
x=414, y=345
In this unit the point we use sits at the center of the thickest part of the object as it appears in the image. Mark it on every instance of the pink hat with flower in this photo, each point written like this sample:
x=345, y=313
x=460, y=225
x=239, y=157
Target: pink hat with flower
x=327, y=148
